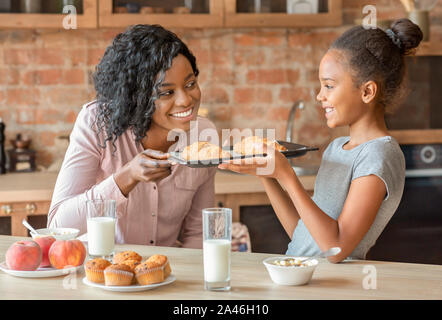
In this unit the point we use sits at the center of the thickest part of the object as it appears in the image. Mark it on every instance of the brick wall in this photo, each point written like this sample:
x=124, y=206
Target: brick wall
x=249, y=77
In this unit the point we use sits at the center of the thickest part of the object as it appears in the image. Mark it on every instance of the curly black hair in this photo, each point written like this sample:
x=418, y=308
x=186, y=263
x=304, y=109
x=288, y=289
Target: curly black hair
x=128, y=76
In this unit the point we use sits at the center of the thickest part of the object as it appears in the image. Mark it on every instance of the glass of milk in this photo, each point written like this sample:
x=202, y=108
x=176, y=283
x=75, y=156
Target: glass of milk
x=217, y=239
x=101, y=228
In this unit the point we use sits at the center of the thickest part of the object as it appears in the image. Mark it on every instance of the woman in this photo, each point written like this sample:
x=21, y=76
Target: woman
x=146, y=86
x=361, y=179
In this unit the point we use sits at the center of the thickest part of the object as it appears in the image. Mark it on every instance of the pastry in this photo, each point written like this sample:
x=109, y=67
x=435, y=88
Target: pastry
x=162, y=261
x=126, y=255
x=149, y=272
x=94, y=269
x=132, y=264
x=254, y=145
x=203, y=151
x=118, y=275
x=154, y=270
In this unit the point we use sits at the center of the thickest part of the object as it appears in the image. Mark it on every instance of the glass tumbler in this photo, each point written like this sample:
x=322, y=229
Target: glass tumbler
x=217, y=239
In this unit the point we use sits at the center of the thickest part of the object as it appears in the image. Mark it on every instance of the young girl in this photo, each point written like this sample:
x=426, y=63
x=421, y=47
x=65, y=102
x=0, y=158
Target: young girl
x=360, y=182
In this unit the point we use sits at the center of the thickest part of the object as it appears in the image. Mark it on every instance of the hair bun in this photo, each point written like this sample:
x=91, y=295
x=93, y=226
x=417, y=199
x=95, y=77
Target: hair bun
x=410, y=35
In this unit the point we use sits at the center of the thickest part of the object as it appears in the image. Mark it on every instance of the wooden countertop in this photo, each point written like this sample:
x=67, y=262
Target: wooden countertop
x=249, y=280
x=38, y=186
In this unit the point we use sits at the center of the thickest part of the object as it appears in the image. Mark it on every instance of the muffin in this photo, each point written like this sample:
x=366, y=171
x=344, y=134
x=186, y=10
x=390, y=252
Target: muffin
x=126, y=255
x=149, y=272
x=132, y=264
x=118, y=275
x=94, y=269
x=161, y=260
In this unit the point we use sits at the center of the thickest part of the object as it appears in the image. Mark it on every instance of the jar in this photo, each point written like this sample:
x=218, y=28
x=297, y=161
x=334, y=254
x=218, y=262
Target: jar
x=30, y=6
x=78, y=4
x=5, y=6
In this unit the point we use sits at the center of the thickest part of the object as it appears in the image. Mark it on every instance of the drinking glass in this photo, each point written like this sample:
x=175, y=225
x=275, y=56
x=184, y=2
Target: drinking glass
x=101, y=228
x=217, y=239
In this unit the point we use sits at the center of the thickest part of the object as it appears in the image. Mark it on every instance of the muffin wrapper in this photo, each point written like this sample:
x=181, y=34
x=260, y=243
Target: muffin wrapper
x=152, y=270
x=121, y=278
x=94, y=275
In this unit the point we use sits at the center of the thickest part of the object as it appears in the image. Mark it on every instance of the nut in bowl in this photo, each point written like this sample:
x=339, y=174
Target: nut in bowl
x=57, y=233
x=289, y=271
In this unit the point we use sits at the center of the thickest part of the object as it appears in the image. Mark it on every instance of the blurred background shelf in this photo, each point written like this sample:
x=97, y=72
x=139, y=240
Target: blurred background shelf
x=163, y=13
x=175, y=14
x=331, y=16
x=49, y=16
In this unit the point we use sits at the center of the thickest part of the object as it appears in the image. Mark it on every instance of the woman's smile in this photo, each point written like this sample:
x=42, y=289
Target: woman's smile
x=185, y=115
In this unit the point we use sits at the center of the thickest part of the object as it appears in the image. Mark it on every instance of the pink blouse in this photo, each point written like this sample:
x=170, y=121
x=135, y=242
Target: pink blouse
x=153, y=213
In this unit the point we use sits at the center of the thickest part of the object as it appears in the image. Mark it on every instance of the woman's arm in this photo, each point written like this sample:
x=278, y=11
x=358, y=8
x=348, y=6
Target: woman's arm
x=363, y=201
x=282, y=204
x=77, y=179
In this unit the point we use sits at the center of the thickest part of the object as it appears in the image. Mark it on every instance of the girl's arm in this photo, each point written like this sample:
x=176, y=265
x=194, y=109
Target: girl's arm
x=363, y=201
x=282, y=204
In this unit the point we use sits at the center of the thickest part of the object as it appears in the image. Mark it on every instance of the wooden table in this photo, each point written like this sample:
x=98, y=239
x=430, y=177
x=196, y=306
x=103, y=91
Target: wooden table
x=250, y=280
x=29, y=194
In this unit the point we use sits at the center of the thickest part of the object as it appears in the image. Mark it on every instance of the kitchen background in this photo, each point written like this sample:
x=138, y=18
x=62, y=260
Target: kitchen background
x=250, y=77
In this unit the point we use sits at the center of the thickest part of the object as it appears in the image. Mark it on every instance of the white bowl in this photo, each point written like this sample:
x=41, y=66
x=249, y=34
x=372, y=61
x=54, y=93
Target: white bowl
x=57, y=233
x=290, y=275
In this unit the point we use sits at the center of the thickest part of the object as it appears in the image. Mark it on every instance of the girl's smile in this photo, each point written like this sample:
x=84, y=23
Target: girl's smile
x=339, y=96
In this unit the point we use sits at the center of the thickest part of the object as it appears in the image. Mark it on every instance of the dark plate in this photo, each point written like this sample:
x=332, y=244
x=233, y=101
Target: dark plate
x=208, y=163
x=293, y=150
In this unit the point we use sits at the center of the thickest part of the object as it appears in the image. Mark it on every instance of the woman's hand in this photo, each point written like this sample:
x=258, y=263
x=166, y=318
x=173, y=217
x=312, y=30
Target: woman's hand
x=147, y=166
x=150, y=165
x=274, y=165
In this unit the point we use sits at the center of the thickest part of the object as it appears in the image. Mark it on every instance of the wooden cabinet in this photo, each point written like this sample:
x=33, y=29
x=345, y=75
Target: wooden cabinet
x=222, y=13
x=107, y=17
x=331, y=18
x=88, y=19
x=17, y=211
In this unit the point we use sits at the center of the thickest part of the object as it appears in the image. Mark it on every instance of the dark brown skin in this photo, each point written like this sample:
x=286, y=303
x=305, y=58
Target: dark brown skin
x=179, y=92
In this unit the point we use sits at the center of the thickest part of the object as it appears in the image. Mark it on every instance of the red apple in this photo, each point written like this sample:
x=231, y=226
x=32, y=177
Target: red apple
x=45, y=243
x=24, y=255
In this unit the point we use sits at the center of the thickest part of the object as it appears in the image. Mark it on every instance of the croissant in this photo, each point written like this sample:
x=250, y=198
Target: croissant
x=255, y=145
x=203, y=151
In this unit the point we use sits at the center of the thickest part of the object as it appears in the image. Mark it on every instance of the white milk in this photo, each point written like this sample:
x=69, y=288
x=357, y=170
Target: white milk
x=101, y=235
x=216, y=260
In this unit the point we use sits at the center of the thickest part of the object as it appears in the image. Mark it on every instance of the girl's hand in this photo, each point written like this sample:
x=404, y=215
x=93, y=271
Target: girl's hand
x=274, y=165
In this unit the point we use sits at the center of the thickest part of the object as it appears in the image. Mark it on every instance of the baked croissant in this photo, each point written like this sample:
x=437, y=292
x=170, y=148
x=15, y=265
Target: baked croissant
x=255, y=145
x=203, y=151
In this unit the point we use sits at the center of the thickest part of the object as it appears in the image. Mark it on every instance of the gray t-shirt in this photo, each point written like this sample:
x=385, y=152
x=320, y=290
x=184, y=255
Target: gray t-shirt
x=381, y=157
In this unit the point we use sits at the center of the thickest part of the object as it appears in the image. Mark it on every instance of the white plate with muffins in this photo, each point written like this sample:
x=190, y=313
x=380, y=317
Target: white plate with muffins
x=128, y=272
x=131, y=288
